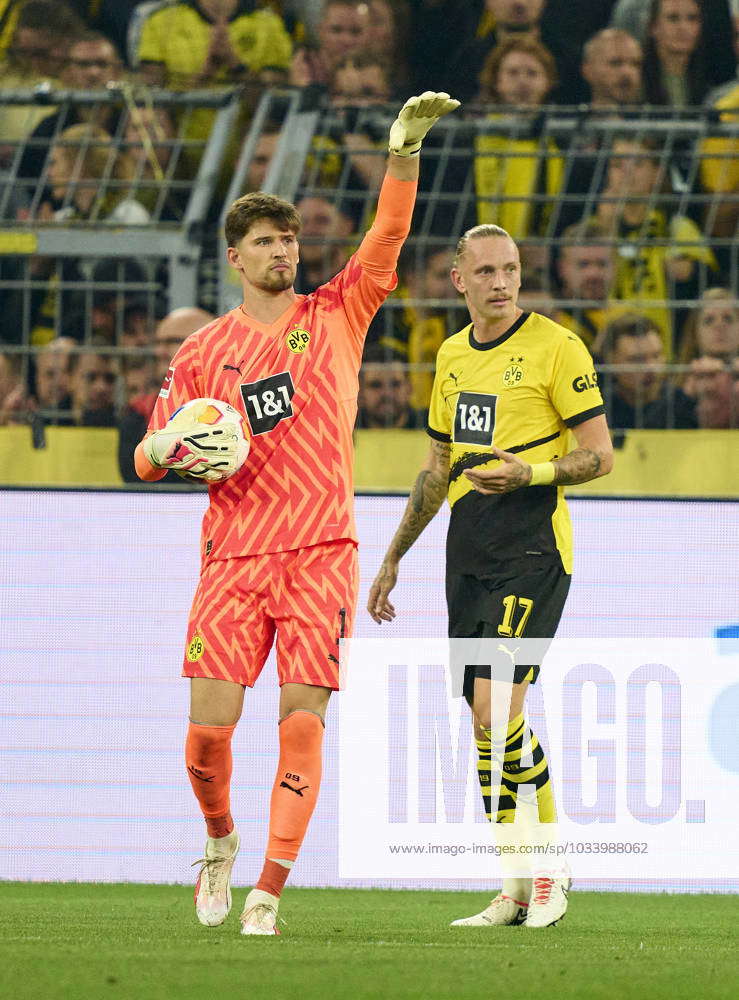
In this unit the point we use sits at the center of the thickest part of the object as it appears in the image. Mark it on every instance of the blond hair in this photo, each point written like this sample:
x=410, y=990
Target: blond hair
x=478, y=233
x=689, y=348
x=93, y=155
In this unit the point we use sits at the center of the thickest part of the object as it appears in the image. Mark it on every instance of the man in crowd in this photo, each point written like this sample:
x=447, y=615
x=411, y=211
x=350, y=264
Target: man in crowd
x=640, y=396
x=52, y=382
x=90, y=63
x=660, y=255
x=93, y=379
x=385, y=392
x=344, y=30
x=586, y=267
x=612, y=67
x=716, y=390
x=421, y=316
x=260, y=161
x=170, y=333
x=359, y=81
x=323, y=244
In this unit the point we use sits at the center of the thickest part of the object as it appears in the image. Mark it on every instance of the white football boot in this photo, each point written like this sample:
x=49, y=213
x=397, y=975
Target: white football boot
x=548, y=900
x=213, y=887
x=259, y=915
x=508, y=909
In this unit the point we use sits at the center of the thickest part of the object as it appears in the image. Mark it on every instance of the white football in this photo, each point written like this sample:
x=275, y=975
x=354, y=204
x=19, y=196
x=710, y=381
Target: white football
x=221, y=448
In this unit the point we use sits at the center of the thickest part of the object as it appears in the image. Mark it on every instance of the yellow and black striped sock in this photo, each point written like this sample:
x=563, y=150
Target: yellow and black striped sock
x=515, y=774
x=483, y=772
x=522, y=743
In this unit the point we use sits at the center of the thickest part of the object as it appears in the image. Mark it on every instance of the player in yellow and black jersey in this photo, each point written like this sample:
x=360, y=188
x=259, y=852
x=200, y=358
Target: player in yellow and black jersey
x=517, y=394
x=509, y=388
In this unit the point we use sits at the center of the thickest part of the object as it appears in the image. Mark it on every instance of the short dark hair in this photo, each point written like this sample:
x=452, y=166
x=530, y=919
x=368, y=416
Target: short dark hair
x=49, y=16
x=629, y=324
x=86, y=36
x=378, y=353
x=586, y=230
x=91, y=351
x=418, y=255
x=254, y=207
x=361, y=60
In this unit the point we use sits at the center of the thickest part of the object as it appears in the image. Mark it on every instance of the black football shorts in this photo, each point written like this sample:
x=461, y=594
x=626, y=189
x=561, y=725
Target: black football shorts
x=527, y=604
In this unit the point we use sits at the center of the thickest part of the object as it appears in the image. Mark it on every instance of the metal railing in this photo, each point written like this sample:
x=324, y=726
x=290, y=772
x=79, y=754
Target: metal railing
x=138, y=198
x=539, y=173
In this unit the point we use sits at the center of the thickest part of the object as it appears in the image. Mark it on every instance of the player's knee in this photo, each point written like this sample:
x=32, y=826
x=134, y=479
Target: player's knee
x=215, y=703
x=481, y=731
x=208, y=754
x=203, y=749
x=303, y=698
x=481, y=716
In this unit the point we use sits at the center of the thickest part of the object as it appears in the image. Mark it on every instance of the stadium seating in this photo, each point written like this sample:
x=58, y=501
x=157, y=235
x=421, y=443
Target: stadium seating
x=79, y=273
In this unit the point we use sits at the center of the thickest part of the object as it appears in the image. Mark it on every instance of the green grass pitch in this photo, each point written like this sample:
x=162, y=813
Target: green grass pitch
x=75, y=941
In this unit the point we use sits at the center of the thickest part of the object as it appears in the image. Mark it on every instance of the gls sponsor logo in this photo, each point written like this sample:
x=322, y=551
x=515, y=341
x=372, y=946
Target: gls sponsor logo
x=583, y=382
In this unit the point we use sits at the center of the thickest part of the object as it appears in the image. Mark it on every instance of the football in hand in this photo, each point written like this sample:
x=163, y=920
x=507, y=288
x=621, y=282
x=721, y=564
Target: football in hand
x=214, y=440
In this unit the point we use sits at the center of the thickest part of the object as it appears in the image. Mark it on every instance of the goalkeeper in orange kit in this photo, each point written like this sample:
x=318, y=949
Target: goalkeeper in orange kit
x=279, y=544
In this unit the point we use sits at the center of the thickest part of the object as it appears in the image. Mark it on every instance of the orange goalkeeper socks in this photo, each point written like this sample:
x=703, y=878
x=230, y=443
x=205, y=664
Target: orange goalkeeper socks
x=294, y=795
x=209, y=765
x=273, y=877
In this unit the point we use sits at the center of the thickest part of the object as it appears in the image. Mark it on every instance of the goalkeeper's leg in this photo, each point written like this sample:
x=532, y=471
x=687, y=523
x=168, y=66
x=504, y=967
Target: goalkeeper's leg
x=316, y=611
x=215, y=708
x=294, y=796
x=230, y=633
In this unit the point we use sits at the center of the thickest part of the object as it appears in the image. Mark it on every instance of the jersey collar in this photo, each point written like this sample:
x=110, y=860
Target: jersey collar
x=477, y=346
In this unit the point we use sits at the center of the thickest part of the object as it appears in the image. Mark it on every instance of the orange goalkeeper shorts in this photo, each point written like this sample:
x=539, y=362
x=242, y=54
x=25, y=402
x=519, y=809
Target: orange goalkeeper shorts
x=307, y=597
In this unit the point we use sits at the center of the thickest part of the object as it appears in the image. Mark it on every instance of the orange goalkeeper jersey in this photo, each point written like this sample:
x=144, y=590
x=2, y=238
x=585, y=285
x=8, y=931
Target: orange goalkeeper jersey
x=296, y=380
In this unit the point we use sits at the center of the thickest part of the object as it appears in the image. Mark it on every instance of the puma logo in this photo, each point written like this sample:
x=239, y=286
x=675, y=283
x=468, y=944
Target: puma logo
x=233, y=368
x=502, y=648
x=196, y=773
x=298, y=791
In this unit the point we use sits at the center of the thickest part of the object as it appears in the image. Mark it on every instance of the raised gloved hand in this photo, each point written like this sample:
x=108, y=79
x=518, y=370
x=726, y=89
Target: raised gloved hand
x=416, y=117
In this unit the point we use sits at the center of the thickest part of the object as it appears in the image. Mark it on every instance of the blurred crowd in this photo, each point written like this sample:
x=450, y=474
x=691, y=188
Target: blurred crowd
x=626, y=234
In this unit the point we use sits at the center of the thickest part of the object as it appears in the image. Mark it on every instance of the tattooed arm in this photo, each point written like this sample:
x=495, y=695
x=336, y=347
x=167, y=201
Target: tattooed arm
x=580, y=466
x=427, y=496
x=592, y=458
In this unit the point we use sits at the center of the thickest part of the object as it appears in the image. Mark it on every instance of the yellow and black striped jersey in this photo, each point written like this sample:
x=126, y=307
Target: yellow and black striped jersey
x=520, y=393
